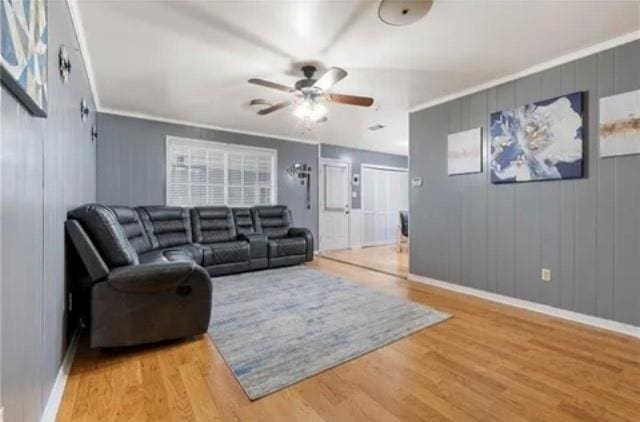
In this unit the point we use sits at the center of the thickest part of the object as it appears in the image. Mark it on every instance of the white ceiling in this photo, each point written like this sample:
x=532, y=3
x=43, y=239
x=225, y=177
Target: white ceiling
x=190, y=61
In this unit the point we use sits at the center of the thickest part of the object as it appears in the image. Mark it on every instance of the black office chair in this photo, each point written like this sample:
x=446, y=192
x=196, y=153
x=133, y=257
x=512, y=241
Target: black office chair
x=403, y=230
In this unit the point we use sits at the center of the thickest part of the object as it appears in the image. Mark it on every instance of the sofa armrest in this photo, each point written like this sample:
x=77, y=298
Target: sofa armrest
x=308, y=237
x=93, y=262
x=257, y=244
x=158, y=277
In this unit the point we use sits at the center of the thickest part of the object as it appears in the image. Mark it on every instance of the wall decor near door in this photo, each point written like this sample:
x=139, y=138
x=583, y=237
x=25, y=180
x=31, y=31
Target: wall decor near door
x=464, y=152
x=23, y=56
x=303, y=172
x=620, y=124
x=538, y=141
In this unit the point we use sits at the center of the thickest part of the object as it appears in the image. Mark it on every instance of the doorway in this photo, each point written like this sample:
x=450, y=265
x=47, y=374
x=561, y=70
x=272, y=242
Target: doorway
x=335, y=204
x=385, y=192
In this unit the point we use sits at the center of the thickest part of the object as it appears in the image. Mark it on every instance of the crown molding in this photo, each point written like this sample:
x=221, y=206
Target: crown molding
x=76, y=21
x=596, y=48
x=144, y=116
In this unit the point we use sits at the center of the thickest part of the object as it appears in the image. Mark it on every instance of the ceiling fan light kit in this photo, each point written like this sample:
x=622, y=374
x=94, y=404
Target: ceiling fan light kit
x=311, y=110
x=403, y=12
x=310, y=95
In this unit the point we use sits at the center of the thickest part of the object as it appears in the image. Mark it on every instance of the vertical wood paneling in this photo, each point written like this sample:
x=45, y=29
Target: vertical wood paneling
x=477, y=206
x=587, y=231
x=550, y=213
x=627, y=202
x=466, y=207
x=453, y=201
x=505, y=213
x=527, y=213
x=586, y=80
x=48, y=167
x=605, y=209
x=567, y=214
x=22, y=142
x=492, y=205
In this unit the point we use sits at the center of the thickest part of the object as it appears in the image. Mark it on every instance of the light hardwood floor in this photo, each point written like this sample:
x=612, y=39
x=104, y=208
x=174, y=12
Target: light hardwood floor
x=380, y=258
x=489, y=362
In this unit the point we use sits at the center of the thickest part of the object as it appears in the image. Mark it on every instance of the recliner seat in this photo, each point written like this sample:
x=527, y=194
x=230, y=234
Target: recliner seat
x=286, y=245
x=169, y=228
x=214, y=228
x=135, y=302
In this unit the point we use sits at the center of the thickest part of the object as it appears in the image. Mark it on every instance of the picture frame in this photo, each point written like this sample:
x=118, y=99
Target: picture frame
x=24, y=53
x=539, y=141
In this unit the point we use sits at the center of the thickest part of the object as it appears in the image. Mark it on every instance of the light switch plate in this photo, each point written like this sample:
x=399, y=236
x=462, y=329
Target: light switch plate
x=545, y=274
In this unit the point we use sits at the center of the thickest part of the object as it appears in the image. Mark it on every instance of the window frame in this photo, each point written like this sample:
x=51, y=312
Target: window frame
x=227, y=147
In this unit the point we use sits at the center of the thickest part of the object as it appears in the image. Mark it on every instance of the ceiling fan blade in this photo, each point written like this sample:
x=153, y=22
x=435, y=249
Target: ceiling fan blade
x=330, y=78
x=270, y=84
x=351, y=100
x=274, y=107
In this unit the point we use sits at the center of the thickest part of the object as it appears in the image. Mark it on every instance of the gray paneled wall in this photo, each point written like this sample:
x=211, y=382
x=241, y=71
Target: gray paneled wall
x=357, y=157
x=498, y=237
x=132, y=163
x=48, y=166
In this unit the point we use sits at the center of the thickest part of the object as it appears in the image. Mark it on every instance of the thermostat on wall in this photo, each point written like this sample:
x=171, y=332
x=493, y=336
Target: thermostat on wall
x=416, y=182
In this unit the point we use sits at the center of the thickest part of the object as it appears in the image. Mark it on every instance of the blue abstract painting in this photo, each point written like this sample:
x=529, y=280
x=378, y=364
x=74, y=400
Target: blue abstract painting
x=23, y=51
x=538, y=141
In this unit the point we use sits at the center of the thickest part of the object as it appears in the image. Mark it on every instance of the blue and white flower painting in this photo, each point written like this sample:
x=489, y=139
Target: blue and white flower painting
x=538, y=141
x=24, y=39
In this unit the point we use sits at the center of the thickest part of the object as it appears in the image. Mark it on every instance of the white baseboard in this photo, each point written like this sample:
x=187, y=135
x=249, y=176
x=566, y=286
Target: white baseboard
x=618, y=327
x=55, y=397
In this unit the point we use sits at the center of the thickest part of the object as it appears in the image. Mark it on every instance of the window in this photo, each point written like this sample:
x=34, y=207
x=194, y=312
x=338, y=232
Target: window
x=211, y=173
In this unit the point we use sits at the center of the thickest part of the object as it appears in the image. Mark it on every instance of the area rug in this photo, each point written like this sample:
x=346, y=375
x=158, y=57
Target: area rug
x=277, y=327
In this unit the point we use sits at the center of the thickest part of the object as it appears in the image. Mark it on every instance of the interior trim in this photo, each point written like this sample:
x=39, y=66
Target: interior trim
x=596, y=48
x=144, y=116
x=593, y=321
x=55, y=397
x=76, y=22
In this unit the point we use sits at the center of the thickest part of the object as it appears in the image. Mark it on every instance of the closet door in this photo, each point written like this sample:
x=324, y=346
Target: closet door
x=381, y=205
x=384, y=194
x=368, y=206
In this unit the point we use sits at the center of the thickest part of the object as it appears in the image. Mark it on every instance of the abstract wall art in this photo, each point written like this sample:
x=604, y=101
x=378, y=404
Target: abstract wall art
x=538, y=141
x=23, y=52
x=620, y=124
x=464, y=152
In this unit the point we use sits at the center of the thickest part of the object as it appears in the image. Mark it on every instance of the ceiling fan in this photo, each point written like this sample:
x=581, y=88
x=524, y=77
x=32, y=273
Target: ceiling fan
x=310, y=94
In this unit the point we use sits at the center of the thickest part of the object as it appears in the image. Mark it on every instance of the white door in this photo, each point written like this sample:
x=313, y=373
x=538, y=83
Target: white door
x=335, y=200
x=385, y=192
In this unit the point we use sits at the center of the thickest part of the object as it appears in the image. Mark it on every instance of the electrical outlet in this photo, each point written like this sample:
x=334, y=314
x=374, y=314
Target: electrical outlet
x=546, y=275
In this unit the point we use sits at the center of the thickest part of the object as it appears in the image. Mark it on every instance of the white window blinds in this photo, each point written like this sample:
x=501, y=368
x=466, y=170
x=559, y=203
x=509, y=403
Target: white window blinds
x=211, y=173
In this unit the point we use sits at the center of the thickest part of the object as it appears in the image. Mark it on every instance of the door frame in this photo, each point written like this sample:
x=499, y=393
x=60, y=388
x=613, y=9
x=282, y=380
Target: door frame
x=362, y=181
x=321, y=193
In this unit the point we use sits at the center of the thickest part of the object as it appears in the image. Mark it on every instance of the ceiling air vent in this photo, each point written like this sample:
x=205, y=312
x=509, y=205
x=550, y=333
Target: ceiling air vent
x=376, y=127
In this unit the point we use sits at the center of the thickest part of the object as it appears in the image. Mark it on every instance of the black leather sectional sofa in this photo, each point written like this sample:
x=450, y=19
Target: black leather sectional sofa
x=148, y=268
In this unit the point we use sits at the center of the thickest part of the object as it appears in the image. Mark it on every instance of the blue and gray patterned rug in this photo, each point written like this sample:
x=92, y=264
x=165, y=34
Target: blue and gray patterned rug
x=277, y=327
